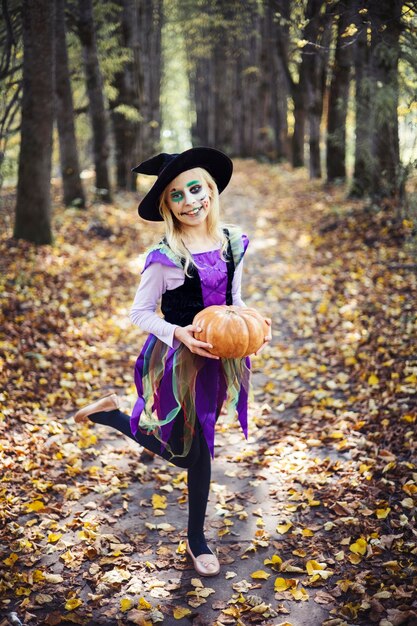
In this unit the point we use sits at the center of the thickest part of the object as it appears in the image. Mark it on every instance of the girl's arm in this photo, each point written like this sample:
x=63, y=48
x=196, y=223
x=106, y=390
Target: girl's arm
x=152, y=285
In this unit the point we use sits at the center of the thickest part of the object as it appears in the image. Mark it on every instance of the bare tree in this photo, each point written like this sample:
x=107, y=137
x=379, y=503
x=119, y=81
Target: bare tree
x=94, y=82
x=70, y=171
x=362, y=173
x=315, y=59
x=339, y=94
x=10, y=68
x=385, y=18
x=125, y=107
x=33, y=204
x=148, y=61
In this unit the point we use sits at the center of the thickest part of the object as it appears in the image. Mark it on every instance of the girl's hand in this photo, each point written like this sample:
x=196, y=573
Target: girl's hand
x=185, y=335
x=268, y=337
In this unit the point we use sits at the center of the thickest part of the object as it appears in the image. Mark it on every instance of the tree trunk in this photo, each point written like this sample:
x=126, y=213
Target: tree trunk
x=338, y=98
x=237, y=107
x=33, y=205
x=268, y=131
x=126, y=130
x=296, y=88
x=149, y=20
x=96, y=99
x=281, y=31
x=73, y=191
x=385, y=16
x=363, y=158
x=298, y=135
x=315, y=59
x=251, y=83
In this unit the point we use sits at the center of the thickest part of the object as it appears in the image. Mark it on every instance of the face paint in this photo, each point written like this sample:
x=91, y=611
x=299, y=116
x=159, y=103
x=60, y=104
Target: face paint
x=188, y=198
x=193, y=192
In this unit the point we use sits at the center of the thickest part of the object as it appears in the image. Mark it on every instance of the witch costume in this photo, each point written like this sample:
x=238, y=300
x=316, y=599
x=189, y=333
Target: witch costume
x=180, y=393
x=176, y=387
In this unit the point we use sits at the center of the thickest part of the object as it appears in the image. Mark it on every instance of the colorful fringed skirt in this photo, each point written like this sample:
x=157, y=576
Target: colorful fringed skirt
x=176, y=387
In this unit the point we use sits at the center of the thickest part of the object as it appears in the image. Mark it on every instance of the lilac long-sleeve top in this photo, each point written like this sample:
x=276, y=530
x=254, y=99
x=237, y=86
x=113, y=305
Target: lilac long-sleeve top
x=156, y=279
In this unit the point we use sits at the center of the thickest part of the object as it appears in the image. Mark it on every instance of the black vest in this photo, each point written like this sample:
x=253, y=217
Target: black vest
x=180, y=305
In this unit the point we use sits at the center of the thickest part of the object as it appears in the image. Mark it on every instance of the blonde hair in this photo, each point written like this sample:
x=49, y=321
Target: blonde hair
x=173, y=225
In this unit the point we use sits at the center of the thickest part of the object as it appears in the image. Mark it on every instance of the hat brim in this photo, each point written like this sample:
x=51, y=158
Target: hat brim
x=217, y=164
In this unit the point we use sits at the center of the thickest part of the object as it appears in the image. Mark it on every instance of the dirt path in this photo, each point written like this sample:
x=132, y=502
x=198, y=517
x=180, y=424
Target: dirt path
x=292, y=510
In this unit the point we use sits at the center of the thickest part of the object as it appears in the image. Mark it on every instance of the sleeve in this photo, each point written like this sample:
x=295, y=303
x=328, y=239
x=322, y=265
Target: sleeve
x=152, y=285
x=237, y=286
x=238, y=243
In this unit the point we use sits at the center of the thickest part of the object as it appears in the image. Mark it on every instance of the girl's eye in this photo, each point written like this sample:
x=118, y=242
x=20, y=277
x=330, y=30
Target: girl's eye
x=176, y=196
x=195, y=188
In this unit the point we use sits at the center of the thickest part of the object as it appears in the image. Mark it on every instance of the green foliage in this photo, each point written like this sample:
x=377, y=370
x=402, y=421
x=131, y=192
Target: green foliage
x=130, y=113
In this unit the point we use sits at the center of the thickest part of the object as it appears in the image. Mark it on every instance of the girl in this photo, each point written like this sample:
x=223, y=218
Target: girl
x=181, y=385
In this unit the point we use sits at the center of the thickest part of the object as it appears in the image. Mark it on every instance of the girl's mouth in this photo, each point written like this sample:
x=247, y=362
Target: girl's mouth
x=194, y=211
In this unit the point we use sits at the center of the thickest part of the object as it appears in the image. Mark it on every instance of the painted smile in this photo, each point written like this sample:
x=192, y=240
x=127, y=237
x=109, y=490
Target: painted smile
x=194, y=211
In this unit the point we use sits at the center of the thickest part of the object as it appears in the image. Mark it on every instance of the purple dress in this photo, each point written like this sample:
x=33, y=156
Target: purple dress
x=176, y=387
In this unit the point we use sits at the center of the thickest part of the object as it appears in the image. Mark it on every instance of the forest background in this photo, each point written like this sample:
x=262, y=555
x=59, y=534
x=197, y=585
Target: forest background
x=316, y=102
x=101, y=86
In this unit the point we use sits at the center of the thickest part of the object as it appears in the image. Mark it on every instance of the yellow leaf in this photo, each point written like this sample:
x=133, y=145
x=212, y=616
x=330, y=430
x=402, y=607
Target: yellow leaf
x=125, y=604
x=282, y=584
x=283, y=528
x=73, y=603
x=180, y=612
x=323, y=306
x=144, y=604
x=299, y=594
x=312, y=566
x=36, y=505
x=359, y=547
x=373, y=380
x=233, y=611
x=38, y=575
x=299, y=552
x=306, y=532
x=410, y=489
x=182, y=548
x=11, y=560
x=354, y=558
x=159, y=502
x=383, y=513
x=275, y=560
x=53, y=537
x=23, y=591
x=260, y=574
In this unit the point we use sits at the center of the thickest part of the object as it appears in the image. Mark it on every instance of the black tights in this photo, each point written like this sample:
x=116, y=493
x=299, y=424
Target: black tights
x=197, y=462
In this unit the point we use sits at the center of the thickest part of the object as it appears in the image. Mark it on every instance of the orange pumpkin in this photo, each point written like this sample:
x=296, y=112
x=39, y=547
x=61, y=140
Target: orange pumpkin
x=233, y=331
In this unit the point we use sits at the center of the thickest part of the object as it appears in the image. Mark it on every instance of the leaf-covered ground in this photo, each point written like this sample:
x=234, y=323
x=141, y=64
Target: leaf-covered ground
x=313, y=517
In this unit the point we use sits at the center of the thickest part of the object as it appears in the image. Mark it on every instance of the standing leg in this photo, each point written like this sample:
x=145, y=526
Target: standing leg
x=198, y=463
x=199, y=475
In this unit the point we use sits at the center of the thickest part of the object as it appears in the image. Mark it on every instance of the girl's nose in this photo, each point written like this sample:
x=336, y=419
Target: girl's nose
x=189, y=197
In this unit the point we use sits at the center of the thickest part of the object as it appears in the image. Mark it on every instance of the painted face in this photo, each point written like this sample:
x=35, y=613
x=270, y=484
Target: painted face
x=188, y=197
